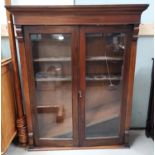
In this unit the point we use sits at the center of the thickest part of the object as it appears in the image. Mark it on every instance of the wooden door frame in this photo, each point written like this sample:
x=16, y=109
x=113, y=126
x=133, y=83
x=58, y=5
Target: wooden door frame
x=128, y=30
x=74, y=35
x=78, y=70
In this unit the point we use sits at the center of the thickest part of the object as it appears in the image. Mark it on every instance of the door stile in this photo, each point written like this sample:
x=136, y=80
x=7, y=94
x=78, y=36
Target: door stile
x=82, y=87
x=30, y=73
x=75, y=41
x=126, y=77
x=74, y=51
x=82, y=64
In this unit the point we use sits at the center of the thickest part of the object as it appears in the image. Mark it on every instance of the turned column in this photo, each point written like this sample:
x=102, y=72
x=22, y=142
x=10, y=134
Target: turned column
x=21, y=119
x=25, y=79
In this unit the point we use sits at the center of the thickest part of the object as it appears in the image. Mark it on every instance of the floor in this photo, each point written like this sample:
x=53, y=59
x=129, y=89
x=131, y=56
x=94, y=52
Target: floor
x=140, y=145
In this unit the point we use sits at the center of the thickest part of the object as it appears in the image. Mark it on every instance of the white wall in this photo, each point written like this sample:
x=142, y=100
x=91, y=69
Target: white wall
x=142, y=82
x=42, y=2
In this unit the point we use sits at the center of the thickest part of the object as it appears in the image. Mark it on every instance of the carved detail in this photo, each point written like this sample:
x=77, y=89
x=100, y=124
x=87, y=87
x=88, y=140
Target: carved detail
x=135, y=32
x=22, y=130
x=19, y=33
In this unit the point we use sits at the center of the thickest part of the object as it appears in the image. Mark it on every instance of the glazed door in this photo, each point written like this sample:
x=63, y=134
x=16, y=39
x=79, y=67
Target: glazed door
x=104, y=53
x=52, y=64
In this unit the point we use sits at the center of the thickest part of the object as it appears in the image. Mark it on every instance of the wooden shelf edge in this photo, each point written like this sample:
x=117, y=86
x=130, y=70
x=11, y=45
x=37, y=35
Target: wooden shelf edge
x=93, y=58
x=55, y=79
x=52, y=59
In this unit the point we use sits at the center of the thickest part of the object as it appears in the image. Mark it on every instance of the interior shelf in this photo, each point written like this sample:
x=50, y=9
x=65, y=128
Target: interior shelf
x=94, y=58
x=67, y=78
x=89, y=78
x=103, y=77
x=52, y=59
x=98, y=58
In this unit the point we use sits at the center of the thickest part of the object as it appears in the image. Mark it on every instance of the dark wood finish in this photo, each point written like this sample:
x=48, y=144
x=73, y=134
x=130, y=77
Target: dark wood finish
x=55, y=29
x=25, y=84
x=127, y=30
x=8, y=112
x=77, y=15
x=77, y=21
x=76, y=148
x=21, y=122
x=131, y=69
x=150, y=118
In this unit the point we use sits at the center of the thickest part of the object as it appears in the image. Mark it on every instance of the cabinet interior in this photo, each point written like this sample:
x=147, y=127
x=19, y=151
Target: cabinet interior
x=52, y=62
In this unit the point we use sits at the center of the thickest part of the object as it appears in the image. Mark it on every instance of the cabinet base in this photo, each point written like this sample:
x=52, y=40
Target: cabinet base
x=76, y=148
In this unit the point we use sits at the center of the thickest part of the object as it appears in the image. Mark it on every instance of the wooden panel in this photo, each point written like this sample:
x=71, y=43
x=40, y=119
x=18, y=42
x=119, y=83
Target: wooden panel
x=52, y=96
x=76, y=20
x=102, y=87
x=121, y=146
x=129, y=73
x=80, y=9
x=131, y=68
x=77, y=15
x=144, y=30
x=8, y=118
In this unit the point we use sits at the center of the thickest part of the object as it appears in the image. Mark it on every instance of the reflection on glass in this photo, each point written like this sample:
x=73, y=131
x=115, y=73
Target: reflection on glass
x=53, y=84
x=104, y=63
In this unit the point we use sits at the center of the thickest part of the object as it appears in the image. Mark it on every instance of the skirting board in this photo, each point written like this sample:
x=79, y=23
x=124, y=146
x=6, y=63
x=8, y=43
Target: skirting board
x=144, y=30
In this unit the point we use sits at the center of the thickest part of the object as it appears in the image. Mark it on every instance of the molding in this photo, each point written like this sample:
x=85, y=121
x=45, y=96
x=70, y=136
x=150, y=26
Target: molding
x=77, y=15
x=79, y=9
x=144, y=30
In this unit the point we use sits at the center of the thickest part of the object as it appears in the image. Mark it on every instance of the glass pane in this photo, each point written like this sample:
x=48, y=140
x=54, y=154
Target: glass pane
x=104, y=64
x=53, y=84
